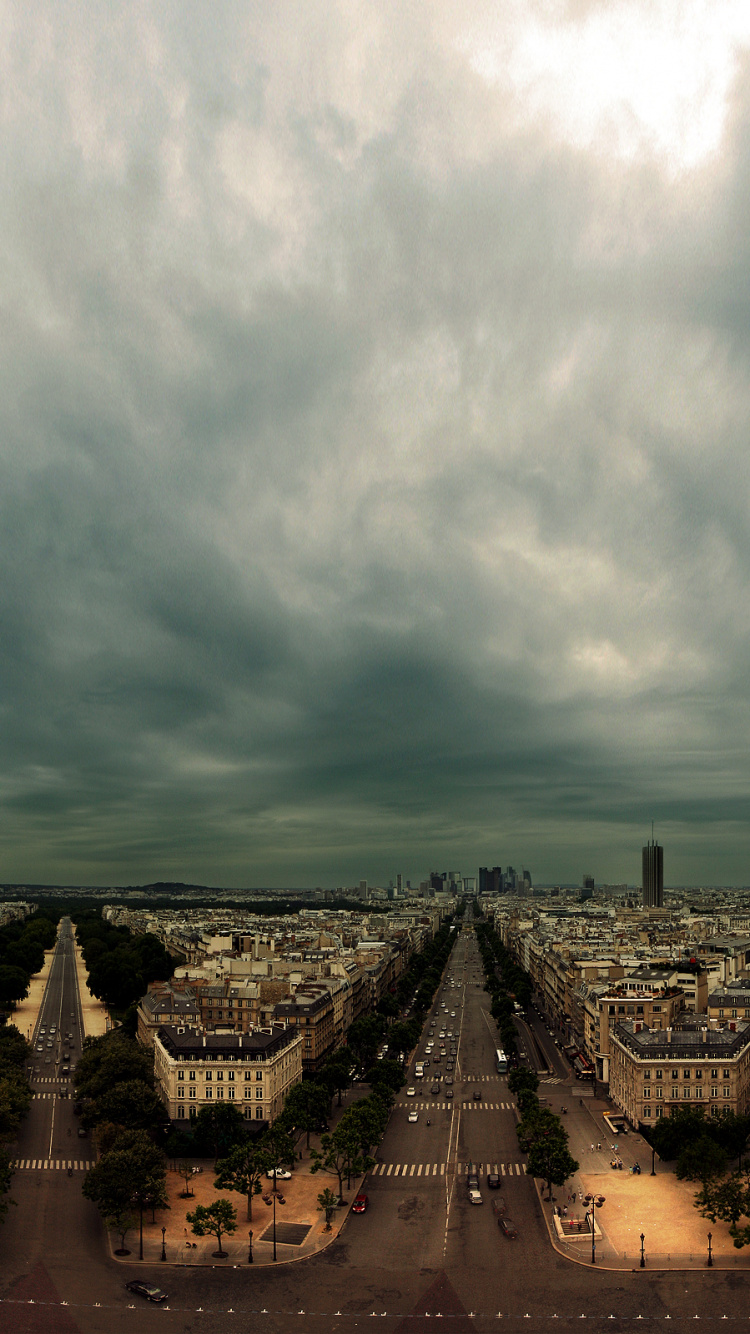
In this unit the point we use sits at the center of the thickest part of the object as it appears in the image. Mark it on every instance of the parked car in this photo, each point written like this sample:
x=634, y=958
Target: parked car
x=493, y=1180
x=146, y=1290
x=279, y=1174
x=507, y=1227
x=499, y=1207
x=360, y=1204
x=472, y=1180
x=475, y=1197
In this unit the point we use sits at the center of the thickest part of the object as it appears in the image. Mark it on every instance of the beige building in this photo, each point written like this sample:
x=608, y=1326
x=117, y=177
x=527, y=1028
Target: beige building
x=252, y=1071
x=652, y=1071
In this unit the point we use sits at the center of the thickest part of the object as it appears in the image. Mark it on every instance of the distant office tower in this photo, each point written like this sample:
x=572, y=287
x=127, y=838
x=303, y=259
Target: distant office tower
x=653, y=875
x=588, y=882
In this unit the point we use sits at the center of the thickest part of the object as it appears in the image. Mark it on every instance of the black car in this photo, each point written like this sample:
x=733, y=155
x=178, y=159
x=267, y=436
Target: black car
x=146, y=1290
x=507, y=1227
x=493, y=1180
x=477, y=1095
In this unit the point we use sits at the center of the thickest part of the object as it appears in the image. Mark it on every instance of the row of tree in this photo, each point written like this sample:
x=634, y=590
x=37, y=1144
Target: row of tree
x=505, y=982
x=15, y=1099
x=22, y=946
x=120, y=965
x=541, y=1134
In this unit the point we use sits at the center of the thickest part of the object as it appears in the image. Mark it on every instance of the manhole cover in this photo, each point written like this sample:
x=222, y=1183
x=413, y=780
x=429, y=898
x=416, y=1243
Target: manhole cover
x=288, y=1234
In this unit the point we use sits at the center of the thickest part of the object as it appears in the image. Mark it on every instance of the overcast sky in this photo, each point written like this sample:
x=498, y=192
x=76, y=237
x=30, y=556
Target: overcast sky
x=375, y=416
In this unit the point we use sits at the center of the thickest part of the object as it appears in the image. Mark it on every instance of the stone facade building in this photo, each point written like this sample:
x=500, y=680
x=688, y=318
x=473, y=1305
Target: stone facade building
x=252, y=1071
x=653, y=1071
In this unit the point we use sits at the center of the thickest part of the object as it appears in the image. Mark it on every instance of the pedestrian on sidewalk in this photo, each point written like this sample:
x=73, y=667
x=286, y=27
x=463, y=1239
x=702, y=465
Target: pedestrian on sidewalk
x=592, y=1148
x=598, y=1145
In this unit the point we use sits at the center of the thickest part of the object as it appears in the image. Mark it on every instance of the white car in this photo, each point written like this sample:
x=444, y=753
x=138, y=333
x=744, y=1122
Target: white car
x=279, y=1174
x=413, y=1116
x=411, y=1092
x=475, y=1197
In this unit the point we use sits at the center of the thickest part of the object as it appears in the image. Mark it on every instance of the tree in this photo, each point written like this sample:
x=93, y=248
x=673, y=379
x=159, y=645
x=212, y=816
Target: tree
x=369, y=1119
x=550, y=1159
x=388, y=1006
x=672, y=1133
x=109, y=1060
x=701, y=1159
x=186, y=1172
x=14, y=984
x=402, y=1037
x=328, y=1202
x=363, y=1037
x=6, y=1175
x=731, y=1132
x=219, y=1128
x=218, y=1220
x=307, y=1104
x=341, y=1153
x=336, y=1073
x=242, y=1170
x=387, y=1075
x=131, y=1175
x=728, y=1200
x=524, y=1079
x=130, y=1103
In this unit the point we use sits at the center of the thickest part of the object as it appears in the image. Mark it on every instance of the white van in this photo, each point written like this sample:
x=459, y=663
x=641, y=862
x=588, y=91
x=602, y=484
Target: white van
x=419, y=1070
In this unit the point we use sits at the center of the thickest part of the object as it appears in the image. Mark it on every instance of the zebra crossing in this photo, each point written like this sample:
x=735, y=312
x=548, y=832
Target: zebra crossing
x=458, y=1102
x=440, y=1169
x=51, y=1164
x=482, y=1079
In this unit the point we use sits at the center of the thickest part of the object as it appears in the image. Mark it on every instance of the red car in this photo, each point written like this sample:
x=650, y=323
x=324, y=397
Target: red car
x=360, y=1204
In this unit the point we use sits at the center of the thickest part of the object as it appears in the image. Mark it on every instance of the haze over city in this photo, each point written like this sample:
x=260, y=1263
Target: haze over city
x=374, y=415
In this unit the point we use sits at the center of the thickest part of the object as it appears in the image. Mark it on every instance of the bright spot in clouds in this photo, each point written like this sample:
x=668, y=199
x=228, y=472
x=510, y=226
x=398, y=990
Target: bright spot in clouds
x=632, y=79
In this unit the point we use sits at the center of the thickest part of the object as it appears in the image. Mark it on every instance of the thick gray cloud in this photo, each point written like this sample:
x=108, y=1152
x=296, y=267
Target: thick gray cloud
x=374, y=425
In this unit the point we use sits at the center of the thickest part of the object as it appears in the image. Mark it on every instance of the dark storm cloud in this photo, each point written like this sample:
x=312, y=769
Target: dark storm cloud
x=373, y=482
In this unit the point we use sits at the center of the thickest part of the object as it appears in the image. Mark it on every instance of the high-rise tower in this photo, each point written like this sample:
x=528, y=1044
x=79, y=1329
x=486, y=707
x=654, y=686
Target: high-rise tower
x=653, y=875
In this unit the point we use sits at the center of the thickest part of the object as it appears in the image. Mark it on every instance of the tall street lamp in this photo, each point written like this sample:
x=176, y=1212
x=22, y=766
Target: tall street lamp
x=593, y=1230
x=710, y=1257
x=250, y=1248
x=653, y=1159
x=163, y=1248
x=643, y=1261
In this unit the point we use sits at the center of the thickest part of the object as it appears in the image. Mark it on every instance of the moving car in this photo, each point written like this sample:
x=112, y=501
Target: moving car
x=449, y=1093
x=413, y=1116
x=499, y=1207
x=475, y=1197
x=507, y=1227
x=146, y=1290
x=493, y=1180
x=411, y=1092
x=435, y=1088
x=360, y=1204
x=476, y=1095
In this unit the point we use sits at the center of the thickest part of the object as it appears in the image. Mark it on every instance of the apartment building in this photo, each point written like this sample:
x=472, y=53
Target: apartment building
x=253, y=1072
x=310, y=1013
x=653, y=1071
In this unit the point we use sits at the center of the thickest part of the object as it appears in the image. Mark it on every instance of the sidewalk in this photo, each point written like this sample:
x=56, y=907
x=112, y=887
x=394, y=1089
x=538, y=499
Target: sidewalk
x=300, y=1225
x=659, y=1206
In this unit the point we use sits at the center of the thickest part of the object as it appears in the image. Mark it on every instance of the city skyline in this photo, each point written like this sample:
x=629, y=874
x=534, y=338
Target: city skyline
x=374, y=419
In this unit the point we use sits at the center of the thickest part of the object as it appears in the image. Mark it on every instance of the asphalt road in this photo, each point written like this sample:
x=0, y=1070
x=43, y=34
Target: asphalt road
x=420, y=1252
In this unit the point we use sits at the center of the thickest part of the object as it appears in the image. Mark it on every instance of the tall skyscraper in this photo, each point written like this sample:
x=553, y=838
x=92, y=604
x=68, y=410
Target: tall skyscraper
x=653, y=875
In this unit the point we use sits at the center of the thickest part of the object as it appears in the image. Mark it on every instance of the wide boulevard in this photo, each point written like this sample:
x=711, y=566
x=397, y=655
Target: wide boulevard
x=421, y=1251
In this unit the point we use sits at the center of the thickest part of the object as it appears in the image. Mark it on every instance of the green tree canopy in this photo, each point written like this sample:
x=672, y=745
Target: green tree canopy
x=218, y=1220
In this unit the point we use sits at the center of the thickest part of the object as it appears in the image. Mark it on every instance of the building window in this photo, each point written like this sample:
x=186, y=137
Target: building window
x=725, y=1074
x=726, y=1090
x=721, y=1014
x=231, y=1093
x=259, y=1093
x=714, y=1091
x=180, y=1093
x=686, y=1092
x=209, y=1093
x=659, y=1091
x=714, y=1074
x=219, y=1074
x=659, y=1111
x=248, y=1093
x=180, y=1113
x=191, y=1075
x=686, y=1074
x=658, y=1074
x=656, y=1009
x=180, y=1074
x=699, y=1091
x=734, y=1014
x=259, y=1113
x=230, y=1076
x=675, y=1093
x=611, y=1009
x=647, y=1092
x=646, y=1074
x=675, y=1074
x=209, y=1076
x=192, y=1093
x=647, y=1112
x=258, y=1074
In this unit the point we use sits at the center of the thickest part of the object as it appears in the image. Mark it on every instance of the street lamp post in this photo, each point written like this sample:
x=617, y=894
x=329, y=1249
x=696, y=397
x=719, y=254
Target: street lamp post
x=710, y=1257
x=163, y=1248
x=593, y=1230
x=653, y=1159
x=274, y=1226
x=643, y=1261
x=249, y=1248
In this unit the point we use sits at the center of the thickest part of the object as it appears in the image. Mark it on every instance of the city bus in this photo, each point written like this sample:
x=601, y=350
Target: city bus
x=501, y=1061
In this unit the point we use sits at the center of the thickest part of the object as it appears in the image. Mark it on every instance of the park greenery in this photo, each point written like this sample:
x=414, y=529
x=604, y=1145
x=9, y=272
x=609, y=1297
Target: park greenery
x=218, y=1219
x=128, y=1178
x=541, y=1133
